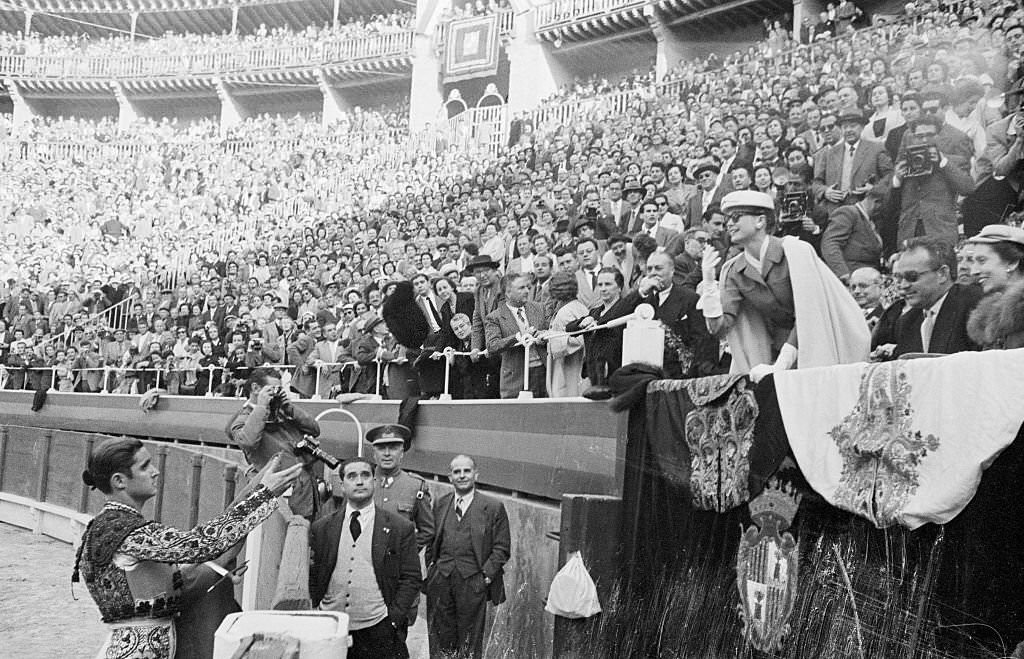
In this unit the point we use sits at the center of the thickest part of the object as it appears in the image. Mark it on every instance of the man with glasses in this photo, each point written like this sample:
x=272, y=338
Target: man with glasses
x=950, y=139
x=827, y=134
x=847, y=171
x=928, y=180
x=707, y=193
x=687, y=262
x=932, y=316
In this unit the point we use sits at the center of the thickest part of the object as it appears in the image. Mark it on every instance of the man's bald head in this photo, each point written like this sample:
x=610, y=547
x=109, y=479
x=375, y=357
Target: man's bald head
x=866, y=287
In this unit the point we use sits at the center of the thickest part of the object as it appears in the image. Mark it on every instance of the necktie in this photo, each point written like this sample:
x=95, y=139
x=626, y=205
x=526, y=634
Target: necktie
x=927, y=326
x=355, y=527
x=522, y=319
x=458, y=509
x=593, y=280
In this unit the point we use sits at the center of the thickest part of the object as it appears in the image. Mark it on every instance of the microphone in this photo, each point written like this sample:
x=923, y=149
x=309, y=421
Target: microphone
x=642, y=312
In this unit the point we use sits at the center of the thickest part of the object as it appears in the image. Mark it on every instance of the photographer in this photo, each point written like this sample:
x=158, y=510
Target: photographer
x=928, y=182
x=799, y=216
x=267, y=424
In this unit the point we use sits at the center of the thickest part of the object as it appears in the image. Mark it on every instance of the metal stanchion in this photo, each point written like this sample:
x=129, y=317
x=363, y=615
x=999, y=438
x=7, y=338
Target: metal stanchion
x=449, y=356
x=209, y=388
x=106, y=379
x=157, y=385
x=316, y=389
x=526, y=393
x=380, y=374
x=53, y=379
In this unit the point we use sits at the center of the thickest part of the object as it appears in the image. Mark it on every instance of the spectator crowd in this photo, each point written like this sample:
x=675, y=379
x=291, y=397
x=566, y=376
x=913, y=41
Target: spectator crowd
x=199, y=259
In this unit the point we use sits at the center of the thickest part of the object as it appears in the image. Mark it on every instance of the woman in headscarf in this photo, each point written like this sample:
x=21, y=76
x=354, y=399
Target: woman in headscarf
x=565, y=353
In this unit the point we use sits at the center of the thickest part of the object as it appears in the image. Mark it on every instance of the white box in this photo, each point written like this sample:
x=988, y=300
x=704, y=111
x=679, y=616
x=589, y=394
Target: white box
x=321, y=634
x=643, y=341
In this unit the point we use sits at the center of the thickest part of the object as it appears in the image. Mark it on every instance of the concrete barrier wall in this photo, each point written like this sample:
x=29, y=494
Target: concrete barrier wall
x=543, y=448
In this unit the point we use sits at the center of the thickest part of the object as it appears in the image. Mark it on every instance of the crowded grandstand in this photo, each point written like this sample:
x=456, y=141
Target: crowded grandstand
x=148, y=249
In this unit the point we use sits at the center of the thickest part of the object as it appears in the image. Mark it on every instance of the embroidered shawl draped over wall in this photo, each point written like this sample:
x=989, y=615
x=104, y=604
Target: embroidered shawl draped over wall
x=903, y=442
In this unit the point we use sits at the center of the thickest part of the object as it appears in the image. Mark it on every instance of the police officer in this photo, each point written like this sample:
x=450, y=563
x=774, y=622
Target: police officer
x=398, y=491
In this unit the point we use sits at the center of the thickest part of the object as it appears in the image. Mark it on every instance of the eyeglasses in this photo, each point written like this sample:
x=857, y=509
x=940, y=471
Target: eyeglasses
x=828, y=126
x=662, y=203
x=736, y=217
x=700, y=239
x=930, y=109
x=910, y=276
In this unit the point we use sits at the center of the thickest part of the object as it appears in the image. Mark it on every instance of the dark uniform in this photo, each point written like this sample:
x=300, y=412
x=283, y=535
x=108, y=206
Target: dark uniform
x=406, y=494
x=403, y=493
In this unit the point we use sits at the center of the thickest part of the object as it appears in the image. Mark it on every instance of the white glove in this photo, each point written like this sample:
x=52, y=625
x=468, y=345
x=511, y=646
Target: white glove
x=710, y=301
x=758, y=372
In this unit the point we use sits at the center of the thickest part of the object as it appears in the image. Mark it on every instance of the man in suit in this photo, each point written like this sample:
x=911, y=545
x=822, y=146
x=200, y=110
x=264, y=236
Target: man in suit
x=866, y=288
x=589, y=259
x=666, y=238
x=730, y=161
x=629, y=222
x=850, y=240
x=619, y=255
x=427, y=302
x=365, y=564
x=376, y=348
x=844, y=173
x=614, y=208
x=690, y=350
x=928, y=202
x=465, y=564
x=516, y=318
x=328, y=356
x=936, y=321
x=275, y=333
x=707, y=193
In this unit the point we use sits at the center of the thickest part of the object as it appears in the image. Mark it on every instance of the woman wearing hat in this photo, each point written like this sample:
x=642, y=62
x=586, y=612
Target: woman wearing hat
x=998, y=320
x=765, y=290
x=565, y=353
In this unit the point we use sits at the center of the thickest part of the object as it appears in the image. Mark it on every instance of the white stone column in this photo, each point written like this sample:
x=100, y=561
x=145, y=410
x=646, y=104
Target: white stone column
x=127, y=112
x=426, y=95
x=670, y=47
x=23, y=110
x=336, y=106
x=534, y=73
x=232, y=112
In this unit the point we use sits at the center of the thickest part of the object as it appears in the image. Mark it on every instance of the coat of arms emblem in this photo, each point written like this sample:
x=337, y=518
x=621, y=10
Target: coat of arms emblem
x=766, y=567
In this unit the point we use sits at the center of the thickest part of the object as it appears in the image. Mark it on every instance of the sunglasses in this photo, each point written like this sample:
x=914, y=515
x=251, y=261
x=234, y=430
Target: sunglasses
x=910, y=276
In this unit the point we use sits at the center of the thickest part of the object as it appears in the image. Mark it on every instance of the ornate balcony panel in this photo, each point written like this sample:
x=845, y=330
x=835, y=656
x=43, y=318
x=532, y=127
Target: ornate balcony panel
x=585, y=19
x=389, y=53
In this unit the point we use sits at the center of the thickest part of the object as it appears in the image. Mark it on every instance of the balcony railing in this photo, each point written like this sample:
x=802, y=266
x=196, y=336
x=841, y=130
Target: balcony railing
x=570, y=11
x=239, y=58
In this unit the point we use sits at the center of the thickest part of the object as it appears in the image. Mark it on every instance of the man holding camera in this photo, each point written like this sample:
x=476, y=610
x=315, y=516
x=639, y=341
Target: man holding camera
x=268, y=424
x=845, y=172
x=928, y=182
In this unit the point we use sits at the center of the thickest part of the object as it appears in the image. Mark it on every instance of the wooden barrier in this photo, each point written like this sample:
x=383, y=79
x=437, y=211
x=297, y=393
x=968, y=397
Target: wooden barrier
x=542, y=448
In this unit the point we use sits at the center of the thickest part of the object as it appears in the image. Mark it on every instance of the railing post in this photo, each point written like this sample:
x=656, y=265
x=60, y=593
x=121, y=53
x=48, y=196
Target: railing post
x=83, y=499
x=209, y=389
x=316, y=389
x=5, y=433
x=161, y=465
x=197, y=483
x=380, y=375
x=44, y=466
x=526, y=393
x=448, y=357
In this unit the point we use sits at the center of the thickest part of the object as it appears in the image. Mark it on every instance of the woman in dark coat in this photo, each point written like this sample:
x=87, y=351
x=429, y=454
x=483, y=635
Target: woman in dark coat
x=604, y=347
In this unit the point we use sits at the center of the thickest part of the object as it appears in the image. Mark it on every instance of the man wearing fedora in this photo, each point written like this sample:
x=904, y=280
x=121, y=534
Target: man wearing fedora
x=707, y=193
x=845, y=172
x=488, y=297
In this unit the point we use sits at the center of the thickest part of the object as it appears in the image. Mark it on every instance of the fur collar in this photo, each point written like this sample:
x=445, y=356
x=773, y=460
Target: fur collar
x=997, y=317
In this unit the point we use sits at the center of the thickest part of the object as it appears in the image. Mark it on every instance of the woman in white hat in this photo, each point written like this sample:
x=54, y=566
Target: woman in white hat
x=755, y=306
x=998, y=266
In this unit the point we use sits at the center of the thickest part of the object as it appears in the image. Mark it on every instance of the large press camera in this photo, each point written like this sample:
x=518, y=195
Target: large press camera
x=793, y=206
x=919, y=161
x=311, y=447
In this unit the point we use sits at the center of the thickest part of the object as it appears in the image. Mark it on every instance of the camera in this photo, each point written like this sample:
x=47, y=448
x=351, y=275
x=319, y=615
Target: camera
x=277, y=408
x=919, y=161
x=311, y=447
x=793, y=206
x=591, y=213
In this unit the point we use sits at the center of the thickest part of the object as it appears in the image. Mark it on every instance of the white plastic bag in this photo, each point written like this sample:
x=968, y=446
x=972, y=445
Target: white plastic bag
x=573, y=593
